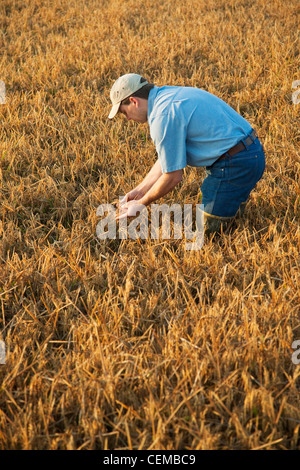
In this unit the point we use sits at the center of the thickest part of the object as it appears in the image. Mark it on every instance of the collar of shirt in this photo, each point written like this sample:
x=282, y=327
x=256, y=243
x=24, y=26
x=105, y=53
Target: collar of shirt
x=151, y=99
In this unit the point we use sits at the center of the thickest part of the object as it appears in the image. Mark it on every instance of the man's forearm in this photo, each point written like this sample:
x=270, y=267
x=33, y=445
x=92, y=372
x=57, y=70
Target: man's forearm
x=151, y=178
x=164, y=184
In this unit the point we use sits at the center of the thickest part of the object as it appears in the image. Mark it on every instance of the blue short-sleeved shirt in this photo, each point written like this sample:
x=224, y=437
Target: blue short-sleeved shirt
x=190, y=126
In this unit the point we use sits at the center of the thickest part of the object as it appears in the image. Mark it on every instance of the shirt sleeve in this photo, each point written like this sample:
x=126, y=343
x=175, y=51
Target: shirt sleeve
x=168, y=132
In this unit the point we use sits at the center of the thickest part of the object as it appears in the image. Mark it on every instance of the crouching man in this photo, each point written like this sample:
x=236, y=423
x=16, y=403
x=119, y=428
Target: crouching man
x=191, y=127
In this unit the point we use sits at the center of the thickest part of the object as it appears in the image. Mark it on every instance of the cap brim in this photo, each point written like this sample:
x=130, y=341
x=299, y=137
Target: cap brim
x=114, y=111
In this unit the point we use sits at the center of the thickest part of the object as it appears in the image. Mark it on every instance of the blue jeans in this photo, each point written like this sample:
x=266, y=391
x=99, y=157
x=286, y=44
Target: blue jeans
x=230, y=180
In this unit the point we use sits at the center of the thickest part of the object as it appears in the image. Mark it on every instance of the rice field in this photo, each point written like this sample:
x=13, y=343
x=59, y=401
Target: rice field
x=141, y=344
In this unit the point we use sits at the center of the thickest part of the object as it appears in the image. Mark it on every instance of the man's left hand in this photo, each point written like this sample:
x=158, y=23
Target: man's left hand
x=129, y=209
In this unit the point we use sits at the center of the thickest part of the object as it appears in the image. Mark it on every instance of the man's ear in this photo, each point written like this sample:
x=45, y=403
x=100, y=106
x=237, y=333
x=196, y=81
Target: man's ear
x=134, y=100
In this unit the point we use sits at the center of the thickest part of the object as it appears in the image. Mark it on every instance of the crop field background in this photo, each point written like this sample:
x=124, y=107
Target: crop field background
x=141, y=344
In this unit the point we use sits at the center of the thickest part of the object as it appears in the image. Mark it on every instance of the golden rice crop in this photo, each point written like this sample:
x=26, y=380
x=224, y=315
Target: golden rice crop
x=141, y=344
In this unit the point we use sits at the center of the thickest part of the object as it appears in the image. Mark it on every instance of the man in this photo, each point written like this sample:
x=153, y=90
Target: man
x=190, y=126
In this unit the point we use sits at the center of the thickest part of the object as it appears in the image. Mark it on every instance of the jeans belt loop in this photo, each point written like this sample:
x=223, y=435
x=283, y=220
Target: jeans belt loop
x=252, y=136
x=245, y=143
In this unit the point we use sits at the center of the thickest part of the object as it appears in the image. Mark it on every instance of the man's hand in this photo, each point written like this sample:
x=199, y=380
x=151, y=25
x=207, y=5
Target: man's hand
x=140, y=191
x=129, y=209
x=136, y=200
x=133, y=195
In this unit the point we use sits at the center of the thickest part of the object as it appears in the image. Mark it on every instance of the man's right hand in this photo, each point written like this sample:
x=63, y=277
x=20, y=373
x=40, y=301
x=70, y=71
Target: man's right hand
x=130, y=209
x=135, y=194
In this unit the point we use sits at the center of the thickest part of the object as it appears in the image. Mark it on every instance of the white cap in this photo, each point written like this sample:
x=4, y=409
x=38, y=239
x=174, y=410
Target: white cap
x=124, y=87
